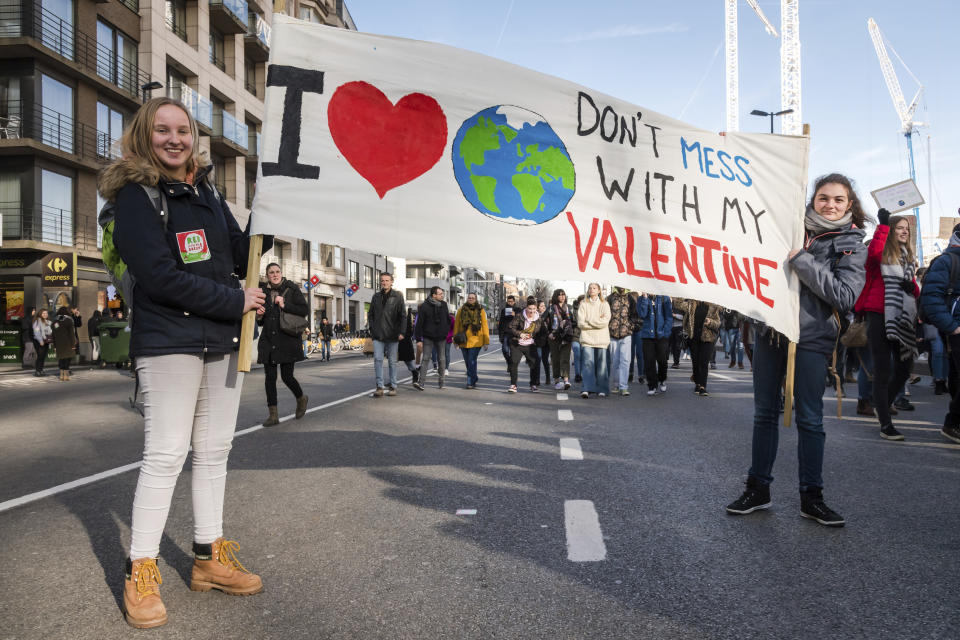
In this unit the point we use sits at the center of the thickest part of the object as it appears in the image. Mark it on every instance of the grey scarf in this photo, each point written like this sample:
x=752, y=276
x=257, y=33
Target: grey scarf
x=817, y=224
x=899, y=306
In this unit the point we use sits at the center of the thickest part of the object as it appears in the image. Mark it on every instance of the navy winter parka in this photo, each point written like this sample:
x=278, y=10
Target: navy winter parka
x=942, y=313
x=187, y=298
x=657, y=315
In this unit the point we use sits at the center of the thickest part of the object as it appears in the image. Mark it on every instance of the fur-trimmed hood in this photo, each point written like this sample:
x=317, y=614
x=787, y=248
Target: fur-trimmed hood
x=126, y=170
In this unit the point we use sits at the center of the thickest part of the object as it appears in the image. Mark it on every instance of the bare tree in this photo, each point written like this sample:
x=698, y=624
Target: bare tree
x=541, y=290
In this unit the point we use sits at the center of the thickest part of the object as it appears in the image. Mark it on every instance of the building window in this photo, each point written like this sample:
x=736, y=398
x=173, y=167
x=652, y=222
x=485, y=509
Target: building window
x=177, y=17
x=250, y=187
x=56, y=24
x=220, y=175
x=354, y=275
x=337, y=259
x=56, y=114
x=10, y=206
x=315, y=253
x=250, y=75
x=367, y=277
x=176, y=81
x=56, y=210
x=216, y=49
x=305, y=13
x=116, y=57
x=109, y=130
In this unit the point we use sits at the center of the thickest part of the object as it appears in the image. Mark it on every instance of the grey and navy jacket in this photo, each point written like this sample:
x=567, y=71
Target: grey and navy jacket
x=187, y=297
x=832, y=273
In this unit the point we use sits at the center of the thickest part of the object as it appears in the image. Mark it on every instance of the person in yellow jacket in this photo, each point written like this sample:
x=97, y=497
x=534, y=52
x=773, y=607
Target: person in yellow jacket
x=471, y=332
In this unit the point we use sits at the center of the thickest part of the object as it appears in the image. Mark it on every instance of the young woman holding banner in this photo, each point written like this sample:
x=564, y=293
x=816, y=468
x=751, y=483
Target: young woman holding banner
x=831, y=270
x=186, y=325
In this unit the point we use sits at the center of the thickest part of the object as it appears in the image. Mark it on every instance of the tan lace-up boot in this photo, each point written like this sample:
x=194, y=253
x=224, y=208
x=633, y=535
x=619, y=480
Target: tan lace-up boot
x=215, y=566
x=142, y=606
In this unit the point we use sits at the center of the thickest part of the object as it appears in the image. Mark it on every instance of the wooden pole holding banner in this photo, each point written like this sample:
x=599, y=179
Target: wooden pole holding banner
x=791, y=359
x=246, y=329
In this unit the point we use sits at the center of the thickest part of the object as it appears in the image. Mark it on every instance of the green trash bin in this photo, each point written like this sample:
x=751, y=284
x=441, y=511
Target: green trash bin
x=114, y=342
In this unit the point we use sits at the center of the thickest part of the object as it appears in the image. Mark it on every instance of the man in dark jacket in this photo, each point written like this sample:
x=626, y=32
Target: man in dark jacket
x=509, y=311
x=386, y=320
x=433, y=324
x=326, y=334
x=939, y=302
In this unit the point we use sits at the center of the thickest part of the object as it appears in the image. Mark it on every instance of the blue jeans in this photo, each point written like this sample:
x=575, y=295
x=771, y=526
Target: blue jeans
x=324, y=349
x=732, y=344
x=637, y=355
x=577, y=358
x=391, y=352
x=505, y=348
x=596, y=376
x=621, y=353
x=938, y=359
x=769, y=367
x=470, y=360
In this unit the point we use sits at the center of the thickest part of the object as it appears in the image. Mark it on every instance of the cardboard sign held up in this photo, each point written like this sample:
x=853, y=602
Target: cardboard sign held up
x=899, y=196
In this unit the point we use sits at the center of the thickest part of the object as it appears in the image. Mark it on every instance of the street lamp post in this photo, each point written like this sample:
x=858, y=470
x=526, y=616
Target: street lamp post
x=757, y=112
x=148, y=87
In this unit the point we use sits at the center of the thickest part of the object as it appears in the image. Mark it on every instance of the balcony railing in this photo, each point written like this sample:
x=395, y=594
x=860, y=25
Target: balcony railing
x=41, y=223
x=133, y=5
x=230, y=16
x=229, y=127
x=61, y=37
x=176, y=22
x=251, y=86
x=258, y=27
x=53, y=129
x=199, y=107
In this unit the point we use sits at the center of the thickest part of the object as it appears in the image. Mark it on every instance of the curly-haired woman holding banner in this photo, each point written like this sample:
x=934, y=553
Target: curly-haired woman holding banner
x=830, y=267
x=185, y=255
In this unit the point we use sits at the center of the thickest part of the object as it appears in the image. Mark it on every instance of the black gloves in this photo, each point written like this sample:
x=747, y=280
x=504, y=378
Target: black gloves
x=908, y=287
x=883, y=216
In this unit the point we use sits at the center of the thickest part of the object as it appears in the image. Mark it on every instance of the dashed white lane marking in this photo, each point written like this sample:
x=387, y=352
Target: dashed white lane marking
x=562, y=396
x=584, y=537
x=73, y=484
x=720, y=376
x=570, y=449
x=564, y=415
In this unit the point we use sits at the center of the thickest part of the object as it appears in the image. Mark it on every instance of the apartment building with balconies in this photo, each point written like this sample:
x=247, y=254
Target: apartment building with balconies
x=73, y=74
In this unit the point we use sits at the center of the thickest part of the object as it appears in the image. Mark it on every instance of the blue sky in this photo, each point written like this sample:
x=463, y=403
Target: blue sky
x=668, y=57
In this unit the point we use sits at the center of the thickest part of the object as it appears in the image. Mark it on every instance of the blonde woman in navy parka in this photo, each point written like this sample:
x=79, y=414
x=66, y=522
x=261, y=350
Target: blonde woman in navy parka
x=185, y=326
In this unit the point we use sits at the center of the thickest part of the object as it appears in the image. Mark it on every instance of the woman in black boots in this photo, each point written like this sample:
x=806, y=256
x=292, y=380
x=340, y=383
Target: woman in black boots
x=278, y=348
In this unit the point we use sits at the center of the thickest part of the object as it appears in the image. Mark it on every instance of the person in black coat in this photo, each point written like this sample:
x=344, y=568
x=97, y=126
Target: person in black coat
x=277, y=347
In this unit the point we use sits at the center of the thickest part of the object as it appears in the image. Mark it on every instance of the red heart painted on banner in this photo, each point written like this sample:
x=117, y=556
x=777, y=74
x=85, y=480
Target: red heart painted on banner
x=389, y=145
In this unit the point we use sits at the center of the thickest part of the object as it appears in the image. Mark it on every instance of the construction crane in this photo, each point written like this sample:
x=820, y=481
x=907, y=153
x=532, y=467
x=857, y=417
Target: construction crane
x=905, y=112
x=792, y=123
x=732, y=59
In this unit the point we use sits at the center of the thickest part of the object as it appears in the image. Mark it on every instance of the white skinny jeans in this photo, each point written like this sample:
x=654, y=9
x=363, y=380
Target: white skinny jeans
x=187, y=400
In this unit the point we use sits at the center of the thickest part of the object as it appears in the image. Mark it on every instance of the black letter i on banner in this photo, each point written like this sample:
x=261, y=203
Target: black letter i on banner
x=296, y=81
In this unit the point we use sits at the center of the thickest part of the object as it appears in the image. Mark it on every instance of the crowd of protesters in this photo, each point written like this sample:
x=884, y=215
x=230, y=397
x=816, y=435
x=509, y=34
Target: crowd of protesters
x=853, y=299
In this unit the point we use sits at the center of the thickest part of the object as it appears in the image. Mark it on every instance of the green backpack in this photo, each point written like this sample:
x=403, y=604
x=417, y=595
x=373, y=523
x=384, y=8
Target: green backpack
x=122, y=279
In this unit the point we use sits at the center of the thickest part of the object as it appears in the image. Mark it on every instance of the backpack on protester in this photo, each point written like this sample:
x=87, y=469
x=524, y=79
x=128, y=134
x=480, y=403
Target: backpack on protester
x=122, y=279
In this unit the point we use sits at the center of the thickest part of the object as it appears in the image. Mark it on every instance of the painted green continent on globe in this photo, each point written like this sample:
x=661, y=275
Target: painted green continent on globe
x=512, y=166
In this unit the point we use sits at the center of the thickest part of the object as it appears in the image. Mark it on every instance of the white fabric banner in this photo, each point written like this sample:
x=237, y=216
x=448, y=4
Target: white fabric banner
x=425, y=151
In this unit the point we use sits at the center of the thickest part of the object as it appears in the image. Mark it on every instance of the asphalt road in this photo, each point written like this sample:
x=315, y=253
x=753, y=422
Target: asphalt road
x=349, y=515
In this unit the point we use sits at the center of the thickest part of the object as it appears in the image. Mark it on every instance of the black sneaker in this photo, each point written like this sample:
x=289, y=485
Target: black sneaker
x=889, y=432
x=416, y=375
x=418, y=386
x=703, y=392
x=754, y=498
x=578, y=378
x=951, y=433
x=904, y=405
x=813, y=507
